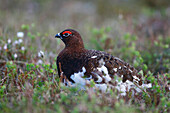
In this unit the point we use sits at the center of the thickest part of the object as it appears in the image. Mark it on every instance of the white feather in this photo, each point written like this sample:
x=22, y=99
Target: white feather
x=104, y=69
x=115, y=69
x=101, y=87
x=77, y=77
x=94, y=57
x=99, y=79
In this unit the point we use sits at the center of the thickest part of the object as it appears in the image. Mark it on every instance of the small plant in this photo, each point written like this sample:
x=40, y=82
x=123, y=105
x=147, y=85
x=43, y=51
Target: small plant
x=29, y=80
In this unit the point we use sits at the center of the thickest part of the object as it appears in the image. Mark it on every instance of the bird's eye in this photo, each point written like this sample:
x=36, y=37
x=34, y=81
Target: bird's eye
x=66, y=34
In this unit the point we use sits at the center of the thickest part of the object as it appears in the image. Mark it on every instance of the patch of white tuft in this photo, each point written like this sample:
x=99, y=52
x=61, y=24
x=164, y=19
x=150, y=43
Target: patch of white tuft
x=84, y=69
x=130, y=70
x=115, y=69
x=126, y=86
x=107, y=78
x=104, y=69
x=123, y=87
x=147, y=85
x=136, y=79
x=99, y=79
x=101, y=62
x=121, y=76
x=94, y=57
x=102, y=87
x=98, y=76
x=77, y=77
x=120, y=67
x=89, y=78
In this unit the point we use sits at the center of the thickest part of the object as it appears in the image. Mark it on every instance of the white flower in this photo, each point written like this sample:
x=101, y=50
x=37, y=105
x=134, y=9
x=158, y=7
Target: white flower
x=16, y=42
x=5, y=46
x=120, y=16
x=20, y=41
x=51, y=54
x=15, y=55
x=41, y=54
x=23, y=48
x=20, y=34
x=9, y=41
x=39, y=61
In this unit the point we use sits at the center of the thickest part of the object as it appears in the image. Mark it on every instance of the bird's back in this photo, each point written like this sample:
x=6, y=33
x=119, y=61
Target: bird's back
x=97, y=64
x=81, y=66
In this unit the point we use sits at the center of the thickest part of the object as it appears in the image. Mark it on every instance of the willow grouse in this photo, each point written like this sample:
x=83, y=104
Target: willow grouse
x=79, y=65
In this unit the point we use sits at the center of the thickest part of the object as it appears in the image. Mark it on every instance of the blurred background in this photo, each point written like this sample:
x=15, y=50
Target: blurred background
x=55, y=15
x=136, y=31
x=104, y=25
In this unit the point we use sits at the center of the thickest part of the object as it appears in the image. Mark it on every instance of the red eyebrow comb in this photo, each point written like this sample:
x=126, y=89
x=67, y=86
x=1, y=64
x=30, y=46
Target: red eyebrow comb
x=66, y=32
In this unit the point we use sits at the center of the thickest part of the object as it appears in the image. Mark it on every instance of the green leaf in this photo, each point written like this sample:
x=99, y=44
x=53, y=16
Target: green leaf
x=145, y=67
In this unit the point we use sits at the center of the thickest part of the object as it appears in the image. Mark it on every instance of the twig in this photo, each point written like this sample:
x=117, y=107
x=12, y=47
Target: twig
x=3, y=80
x=141, y=88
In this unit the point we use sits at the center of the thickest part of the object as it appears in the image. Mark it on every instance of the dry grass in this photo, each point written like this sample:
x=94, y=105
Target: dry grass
x=30, y=83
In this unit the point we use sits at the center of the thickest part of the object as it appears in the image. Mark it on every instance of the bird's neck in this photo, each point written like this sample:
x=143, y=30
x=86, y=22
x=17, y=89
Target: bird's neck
x=75, y=48
x=75, y=45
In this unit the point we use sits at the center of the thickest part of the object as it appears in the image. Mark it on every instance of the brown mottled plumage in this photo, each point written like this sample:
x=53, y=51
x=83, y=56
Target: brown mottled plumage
x=74, y=58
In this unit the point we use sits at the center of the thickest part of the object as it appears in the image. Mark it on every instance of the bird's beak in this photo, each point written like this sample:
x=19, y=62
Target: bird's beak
x=58, y=35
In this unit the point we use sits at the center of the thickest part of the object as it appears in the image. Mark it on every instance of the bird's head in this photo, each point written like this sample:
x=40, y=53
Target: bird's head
x=71, y=38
